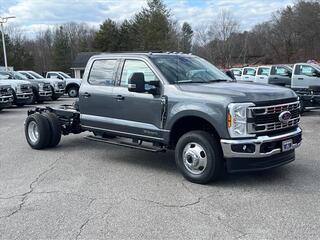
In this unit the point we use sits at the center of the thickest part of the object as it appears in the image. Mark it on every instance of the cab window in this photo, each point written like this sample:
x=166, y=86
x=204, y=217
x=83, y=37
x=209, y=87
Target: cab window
x=306, y=70
x=263, y=71
x=103, y=72
x=132, y=66
x=249, y=71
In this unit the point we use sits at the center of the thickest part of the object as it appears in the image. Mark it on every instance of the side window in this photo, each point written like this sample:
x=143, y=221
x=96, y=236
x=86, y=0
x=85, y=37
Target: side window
x=102, y=72
x=249, y=71
x=132, y=66
x=281, y=71
x=52, y=75
x=263, y=71
x=307, y=70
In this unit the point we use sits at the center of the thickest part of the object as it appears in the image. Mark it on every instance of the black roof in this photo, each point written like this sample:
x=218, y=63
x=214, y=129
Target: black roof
x=81, y=59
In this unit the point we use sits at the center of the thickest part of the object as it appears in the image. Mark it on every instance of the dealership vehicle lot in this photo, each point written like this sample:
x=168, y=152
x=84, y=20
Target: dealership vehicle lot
x=89, y=190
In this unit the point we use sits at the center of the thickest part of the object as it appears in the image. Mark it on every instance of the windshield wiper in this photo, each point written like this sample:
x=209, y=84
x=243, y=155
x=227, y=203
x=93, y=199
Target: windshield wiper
x=191, y=81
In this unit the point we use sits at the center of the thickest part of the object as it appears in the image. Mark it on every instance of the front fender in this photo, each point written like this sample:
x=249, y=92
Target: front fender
x=216, y=116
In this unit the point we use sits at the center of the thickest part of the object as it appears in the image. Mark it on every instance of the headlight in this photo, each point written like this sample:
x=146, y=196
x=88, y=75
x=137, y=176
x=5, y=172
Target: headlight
x=237, y=120
x=18, y=88
x=40, y=86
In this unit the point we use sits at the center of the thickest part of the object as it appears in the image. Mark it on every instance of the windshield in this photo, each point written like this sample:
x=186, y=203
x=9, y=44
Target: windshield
x=36, y=75
x=64, y=75
x=187, y=69
x=5, y=76
x=19, y=76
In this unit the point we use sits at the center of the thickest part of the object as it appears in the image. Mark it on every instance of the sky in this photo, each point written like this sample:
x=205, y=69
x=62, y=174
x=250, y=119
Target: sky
x=33, y=15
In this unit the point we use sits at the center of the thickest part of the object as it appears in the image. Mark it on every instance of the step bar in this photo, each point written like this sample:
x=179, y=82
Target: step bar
x=124, y=144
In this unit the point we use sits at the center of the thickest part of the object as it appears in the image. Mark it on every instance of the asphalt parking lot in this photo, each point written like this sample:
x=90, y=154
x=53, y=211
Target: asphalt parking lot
x=90, y=190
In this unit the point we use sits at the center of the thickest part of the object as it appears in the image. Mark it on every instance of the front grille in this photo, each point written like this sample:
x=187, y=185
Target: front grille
x=266, y=118
x=26, y=88
x=60, y=85
x=5, y=91
x=47, y=87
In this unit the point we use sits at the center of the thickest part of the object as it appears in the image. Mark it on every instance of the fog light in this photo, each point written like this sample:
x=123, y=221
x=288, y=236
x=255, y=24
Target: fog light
x=243, y=148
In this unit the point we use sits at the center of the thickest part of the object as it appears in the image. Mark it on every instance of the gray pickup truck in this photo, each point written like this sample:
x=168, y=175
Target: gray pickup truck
x=167, y=101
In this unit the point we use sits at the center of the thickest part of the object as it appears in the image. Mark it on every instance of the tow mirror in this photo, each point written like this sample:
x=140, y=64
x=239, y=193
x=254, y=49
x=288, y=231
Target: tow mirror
x=316, y=74
x=136, y=83
x=230, y=74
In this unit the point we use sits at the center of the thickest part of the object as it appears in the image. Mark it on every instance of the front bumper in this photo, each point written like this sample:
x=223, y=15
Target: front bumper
x=24, y=96
x=260, y=153
x=6, y=101
x=45, y=94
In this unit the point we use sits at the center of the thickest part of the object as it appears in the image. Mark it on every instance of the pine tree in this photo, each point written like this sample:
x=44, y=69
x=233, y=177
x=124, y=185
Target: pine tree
x=186, y=37
x=61, y=51
x=107, y=38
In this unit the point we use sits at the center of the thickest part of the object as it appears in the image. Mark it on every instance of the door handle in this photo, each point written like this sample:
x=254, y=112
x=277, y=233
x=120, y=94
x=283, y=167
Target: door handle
x=86, y=94
x=300, y=78
x=119, y=98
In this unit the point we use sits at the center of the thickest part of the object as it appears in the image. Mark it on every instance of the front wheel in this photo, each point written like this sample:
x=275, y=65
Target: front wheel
x=73, y=91
x=199, y=157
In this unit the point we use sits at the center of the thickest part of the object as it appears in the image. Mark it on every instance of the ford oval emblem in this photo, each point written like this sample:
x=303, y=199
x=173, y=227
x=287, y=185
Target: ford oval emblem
x=284, y=117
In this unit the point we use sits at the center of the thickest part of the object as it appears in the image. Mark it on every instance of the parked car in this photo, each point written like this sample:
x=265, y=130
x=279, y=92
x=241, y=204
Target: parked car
x=57, y=86
x=6, y=97
x=306, y=83
x=248, y=74
x=41, y=89
x=72, y=84
x=161, y=101
x=274, y=74
x=21, y=89
x=237, y=72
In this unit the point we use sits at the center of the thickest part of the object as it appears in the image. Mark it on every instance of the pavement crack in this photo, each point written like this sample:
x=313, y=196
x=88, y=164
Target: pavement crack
x=168, y=205
x=32, y=185
x=82, y=227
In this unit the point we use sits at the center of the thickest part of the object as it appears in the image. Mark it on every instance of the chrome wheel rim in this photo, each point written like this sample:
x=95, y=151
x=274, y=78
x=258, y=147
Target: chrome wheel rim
x=73, y=93
x=33, y=132
x=194, y=158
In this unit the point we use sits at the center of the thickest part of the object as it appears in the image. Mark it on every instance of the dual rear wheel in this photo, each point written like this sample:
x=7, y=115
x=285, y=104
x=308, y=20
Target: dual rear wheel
x=42, y=130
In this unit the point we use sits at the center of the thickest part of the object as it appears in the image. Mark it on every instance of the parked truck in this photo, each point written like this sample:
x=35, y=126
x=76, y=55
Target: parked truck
x=167, y=101
x=58, y=86
x=6, y=97
x=274, y=74
x=72, y=84
x=305, y=82
x=21, y=90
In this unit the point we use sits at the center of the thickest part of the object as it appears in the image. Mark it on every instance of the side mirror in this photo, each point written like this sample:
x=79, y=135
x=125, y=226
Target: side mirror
x=316, y=74
x=136, y=83
x=230, y=74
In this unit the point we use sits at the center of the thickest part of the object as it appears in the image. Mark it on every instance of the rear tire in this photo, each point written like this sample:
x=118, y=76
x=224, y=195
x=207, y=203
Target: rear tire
x=55, y=128
x=37, y=131
x=199, y=157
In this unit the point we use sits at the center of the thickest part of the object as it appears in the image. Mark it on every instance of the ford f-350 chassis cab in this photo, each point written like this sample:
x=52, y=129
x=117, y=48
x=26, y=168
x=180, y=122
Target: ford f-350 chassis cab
x=168, y=101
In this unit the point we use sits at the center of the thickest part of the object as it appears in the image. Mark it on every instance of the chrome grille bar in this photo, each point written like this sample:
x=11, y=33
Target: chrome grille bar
x=256, y=113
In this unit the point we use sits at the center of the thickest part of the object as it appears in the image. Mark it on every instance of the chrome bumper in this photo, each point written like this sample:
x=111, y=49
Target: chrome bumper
x=23, y=95
x=45, y=94
x=59, y=91
x=6, y=99
x=226, y=145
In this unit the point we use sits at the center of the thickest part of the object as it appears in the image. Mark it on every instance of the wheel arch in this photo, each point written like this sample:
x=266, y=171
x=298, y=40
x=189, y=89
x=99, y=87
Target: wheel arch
x=189, y=122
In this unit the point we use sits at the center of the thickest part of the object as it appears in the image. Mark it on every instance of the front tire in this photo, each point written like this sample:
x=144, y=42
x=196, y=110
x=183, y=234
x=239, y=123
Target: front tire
x=199, y=157
x=73, y=91
x=37, y=131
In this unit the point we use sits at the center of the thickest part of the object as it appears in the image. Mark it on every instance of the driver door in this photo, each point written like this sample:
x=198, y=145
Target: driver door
x=137, y=113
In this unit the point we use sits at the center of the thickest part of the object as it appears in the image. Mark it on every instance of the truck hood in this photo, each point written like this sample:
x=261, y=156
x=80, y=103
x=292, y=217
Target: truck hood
x=240, y=92
x=14, y=82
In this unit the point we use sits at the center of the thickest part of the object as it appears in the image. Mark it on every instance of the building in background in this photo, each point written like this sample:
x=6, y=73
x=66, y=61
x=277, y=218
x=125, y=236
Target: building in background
x=80, y=62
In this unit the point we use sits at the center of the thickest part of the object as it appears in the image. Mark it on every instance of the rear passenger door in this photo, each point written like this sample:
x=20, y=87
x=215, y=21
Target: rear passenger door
x=138, y=114
x=262, y=75
x=96, y=99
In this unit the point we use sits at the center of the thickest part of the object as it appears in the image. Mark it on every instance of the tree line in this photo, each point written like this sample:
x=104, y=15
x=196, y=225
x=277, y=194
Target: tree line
x=292, y=35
